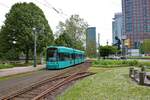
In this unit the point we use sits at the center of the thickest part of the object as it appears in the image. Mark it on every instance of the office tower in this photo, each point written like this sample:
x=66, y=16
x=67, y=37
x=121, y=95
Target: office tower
x=117, y=27
x=136, y=21
x=91, y=42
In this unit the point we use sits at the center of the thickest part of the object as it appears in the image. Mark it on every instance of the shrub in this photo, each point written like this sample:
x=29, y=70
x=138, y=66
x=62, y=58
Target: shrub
x=115, y=63
x=124, y=62
x=133, y=63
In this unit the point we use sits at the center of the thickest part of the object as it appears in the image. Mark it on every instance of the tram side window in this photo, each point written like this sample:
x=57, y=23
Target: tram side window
x=51, y=56
x=73, y=56
x=77, y=56
x=83, y=56
x=67, y=56
x=80, y=56
x=61, y=57
x=64, y=56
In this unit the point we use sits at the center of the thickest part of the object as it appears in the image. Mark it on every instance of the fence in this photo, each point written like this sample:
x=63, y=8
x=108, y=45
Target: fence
x=139, y=76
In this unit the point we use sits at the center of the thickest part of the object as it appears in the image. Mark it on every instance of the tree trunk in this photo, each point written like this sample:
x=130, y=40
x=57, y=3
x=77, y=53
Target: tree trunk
x=27, y=56
x=41, y=58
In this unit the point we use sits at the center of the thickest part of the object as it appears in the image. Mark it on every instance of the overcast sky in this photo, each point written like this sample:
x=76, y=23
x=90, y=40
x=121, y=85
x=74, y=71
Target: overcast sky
x=98, y=13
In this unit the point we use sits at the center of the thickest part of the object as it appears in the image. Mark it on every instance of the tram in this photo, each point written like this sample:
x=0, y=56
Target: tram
x=59, y=57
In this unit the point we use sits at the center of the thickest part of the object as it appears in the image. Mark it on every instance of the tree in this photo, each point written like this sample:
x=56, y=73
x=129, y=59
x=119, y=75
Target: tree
x=64, y=40
x=75, y=27
x=141, y=49
x=18, y=27
x=105, y=51
x=145, y=47
x=118, y=43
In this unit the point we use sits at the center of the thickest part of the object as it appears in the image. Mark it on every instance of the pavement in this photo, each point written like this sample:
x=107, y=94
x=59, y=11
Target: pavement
x=19, y=70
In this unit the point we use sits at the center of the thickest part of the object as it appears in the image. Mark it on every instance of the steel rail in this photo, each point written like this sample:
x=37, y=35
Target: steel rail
x=36, y=84
x=74, y=72
x=63, y=82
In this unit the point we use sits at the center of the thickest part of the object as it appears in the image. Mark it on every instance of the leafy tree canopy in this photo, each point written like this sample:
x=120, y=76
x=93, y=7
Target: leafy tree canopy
x=17, y=31
x=145, y=46
x=75, y=28
x=105, y=51
x=64, y=40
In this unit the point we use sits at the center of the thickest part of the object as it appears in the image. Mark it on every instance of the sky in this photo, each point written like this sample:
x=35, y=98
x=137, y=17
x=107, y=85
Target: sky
x=97, y=13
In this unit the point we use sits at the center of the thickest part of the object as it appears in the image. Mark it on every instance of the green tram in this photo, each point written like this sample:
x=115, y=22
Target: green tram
x=59, y=57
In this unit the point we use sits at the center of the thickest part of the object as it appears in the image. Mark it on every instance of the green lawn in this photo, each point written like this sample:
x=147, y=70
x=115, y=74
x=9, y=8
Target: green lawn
x=11, y=65
x=4, y=66
x=107, y=84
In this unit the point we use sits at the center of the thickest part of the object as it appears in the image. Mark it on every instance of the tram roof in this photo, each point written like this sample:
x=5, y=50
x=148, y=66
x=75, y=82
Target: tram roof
x=66, y=49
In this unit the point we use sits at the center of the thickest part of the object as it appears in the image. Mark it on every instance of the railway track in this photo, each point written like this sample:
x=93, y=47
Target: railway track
x=41, y=90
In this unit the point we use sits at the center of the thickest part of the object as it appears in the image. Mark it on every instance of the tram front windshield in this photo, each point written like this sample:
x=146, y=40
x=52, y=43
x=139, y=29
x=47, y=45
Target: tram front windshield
x=52, y=54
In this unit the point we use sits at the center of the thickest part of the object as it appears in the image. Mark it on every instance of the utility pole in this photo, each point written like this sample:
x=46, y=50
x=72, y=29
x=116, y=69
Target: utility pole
x=98, y=39
x=34, y=32
x=98, y=45
x=123, y=45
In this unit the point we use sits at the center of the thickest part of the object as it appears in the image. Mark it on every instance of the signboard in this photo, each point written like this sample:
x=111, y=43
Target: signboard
x=127, y=43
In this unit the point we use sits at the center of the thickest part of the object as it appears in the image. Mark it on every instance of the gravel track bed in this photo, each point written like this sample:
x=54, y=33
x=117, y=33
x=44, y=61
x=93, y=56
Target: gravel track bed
x=19, y=81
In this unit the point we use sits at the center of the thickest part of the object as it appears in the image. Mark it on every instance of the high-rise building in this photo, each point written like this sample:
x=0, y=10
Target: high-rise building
x=136, y=21
x=91, y=42
x=117, y=27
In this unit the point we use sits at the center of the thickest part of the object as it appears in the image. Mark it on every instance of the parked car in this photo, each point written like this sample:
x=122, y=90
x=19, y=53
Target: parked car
x=116, y=58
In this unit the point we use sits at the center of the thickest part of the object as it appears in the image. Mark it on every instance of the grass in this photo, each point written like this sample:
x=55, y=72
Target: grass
x=107, y=84
x=11, y=65
x=147, y=70
x=145, y=63
x=2, y=66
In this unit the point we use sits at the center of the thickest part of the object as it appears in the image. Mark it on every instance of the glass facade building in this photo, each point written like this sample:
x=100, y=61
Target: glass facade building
x=136, y=21
x=117, y=27
x=91, y=42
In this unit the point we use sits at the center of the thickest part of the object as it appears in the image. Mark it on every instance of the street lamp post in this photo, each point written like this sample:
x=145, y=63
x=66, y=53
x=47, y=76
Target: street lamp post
x=123, y=45
x=34, y=32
